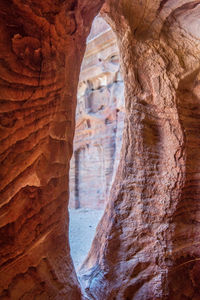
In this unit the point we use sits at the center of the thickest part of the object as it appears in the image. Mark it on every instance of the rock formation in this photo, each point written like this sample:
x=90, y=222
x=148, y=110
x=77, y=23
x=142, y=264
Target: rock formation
x=42, y=44
x=147, y=244
x=99, y=120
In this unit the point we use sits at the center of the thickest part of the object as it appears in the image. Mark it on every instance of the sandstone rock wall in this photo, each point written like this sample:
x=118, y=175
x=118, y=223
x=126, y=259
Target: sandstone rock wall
x=41, y=47
x=147, y=244
x=99, y=120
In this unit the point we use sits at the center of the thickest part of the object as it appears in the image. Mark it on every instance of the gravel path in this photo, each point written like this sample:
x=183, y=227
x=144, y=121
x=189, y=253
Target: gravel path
x=82, y=227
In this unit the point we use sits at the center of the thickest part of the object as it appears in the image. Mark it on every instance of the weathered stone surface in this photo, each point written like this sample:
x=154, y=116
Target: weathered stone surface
x=99, y=120
x=41, y=47
x=147, y=243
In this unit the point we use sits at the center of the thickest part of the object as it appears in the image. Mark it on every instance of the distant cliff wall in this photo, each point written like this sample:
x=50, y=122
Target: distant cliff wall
x=99, y=120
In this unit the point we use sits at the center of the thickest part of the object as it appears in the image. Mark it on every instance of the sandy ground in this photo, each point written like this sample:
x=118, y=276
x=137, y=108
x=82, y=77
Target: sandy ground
x=82, y=227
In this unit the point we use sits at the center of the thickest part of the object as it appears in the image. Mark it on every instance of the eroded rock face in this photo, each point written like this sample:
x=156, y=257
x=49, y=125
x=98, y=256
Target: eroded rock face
x=99, y=120
x=42, y=44
x=147, y=243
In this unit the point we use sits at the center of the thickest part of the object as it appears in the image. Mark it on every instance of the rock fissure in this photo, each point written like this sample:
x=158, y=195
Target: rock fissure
x=147, y=244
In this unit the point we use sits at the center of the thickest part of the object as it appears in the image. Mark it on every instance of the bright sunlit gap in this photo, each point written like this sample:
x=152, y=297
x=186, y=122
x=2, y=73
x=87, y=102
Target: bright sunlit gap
x=98, y=137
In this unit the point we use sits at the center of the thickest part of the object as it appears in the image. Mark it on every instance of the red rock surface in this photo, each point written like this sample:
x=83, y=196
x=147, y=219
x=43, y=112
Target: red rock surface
x=99, y=120
x=147, y=244
x=41, y=47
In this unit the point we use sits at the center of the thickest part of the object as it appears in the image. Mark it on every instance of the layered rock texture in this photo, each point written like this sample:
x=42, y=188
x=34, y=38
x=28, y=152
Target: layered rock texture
x=147, y=244
x=41, y=47
x=99, y=120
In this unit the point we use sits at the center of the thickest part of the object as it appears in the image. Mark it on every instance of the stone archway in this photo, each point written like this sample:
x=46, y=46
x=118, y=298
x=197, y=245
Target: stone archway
x=143, y=248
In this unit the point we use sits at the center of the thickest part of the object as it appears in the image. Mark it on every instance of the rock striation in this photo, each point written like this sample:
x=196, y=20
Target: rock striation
x=41, y=47
x=99, y=120
x=147, y=243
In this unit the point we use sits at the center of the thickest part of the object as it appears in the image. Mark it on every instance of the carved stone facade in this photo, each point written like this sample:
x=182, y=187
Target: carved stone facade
x=99, y=120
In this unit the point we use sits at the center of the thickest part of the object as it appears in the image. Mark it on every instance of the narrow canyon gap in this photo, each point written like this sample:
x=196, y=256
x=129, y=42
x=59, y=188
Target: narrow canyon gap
x=99, y=120
x=146, y=245
x=98, y=137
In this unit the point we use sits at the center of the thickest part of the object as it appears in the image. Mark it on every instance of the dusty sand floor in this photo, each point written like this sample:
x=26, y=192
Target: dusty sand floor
x=82, y=227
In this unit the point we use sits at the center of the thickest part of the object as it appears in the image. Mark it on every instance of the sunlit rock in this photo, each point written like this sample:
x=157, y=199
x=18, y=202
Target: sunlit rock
x=99, y=120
